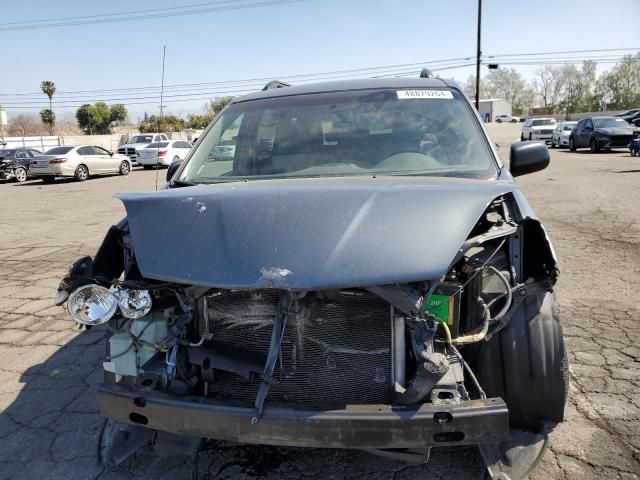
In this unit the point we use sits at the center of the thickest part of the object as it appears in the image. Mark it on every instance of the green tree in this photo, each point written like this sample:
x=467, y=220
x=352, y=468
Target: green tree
x=48, y=117
x=507, y=83
x=623, y=84
x=168, y=123
x=118, y=113
x=214, y=106
x=198, y=121
x=99, y=118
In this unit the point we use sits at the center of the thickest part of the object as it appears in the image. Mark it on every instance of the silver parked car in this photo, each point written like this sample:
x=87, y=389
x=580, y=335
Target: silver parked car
x=560, y=135
x=78, y=162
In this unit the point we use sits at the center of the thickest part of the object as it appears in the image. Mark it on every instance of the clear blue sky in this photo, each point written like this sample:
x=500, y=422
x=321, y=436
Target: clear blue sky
x=307, y=37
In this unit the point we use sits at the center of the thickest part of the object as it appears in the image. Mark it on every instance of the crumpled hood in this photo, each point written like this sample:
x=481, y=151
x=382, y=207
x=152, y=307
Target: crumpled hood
x=306, y=234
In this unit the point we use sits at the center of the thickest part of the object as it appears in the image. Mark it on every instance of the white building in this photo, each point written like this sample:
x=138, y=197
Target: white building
x=490, y=108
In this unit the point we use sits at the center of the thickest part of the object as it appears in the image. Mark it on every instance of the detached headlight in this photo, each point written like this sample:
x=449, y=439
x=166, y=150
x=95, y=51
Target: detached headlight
x=92, y=305
x=134, y=303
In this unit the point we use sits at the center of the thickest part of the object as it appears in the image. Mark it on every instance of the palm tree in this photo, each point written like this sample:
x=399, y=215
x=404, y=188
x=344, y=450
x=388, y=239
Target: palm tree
x=48, y=118
x=48, y=88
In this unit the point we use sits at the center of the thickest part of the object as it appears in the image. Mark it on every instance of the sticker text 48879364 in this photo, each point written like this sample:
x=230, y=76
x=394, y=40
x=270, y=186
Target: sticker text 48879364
x=411, y=94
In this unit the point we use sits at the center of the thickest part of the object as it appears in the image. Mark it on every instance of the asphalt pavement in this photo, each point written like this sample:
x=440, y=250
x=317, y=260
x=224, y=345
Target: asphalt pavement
x=49, y=369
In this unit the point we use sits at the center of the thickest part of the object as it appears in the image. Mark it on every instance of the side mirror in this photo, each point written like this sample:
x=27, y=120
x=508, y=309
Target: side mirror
x=528, y=157
x=173, y=168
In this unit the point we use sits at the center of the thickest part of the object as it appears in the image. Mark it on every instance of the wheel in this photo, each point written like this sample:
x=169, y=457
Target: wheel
x=530, y=136
x=553, y=143
x=498, y=121
x=82, y=173
x=572, y=144
x=124, y=168
x=48, y=179
x=593, y=146
x=514, y=121
x=526, y=364
x=21, y=174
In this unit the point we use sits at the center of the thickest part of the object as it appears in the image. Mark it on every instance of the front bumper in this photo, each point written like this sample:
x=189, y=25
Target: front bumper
x=541, y=136
x=165, y=161
x=614, y=141
x=355, y=426
x=563, y=141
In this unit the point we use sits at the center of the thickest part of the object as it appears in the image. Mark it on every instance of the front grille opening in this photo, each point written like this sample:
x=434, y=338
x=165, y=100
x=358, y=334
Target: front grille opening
x=336, y=349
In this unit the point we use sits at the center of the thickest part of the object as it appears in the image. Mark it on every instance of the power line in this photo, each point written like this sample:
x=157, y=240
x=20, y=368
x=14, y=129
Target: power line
x=155, y=9
x=563, y=52
x=149, y=16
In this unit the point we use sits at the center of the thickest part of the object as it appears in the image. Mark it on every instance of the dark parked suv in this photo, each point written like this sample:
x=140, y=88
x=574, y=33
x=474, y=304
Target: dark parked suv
x=360, y=272
x=14, y=162
x=598, y=133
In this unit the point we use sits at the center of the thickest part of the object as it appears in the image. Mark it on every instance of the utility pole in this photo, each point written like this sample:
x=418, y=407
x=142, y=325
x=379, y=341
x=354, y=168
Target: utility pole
x=478, y=56
x=164, y=52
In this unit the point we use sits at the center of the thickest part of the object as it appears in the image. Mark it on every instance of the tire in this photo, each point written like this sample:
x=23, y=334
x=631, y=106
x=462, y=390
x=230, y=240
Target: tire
x=81, y=174
x=124, y=168
x=514, y=121
x=498, y=121
x=48, y=179
x=526, y=365
x=530, y=136
x=553, y=143
x=593, y=146
x=521, y=138
x=21, y=175
x=572, y=144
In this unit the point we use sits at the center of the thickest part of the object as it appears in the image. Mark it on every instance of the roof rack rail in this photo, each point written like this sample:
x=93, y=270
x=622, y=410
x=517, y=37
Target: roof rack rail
x=273, y=84
x=426, y=73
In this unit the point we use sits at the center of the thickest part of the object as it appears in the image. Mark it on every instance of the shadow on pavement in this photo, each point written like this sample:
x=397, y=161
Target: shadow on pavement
x=50, y=428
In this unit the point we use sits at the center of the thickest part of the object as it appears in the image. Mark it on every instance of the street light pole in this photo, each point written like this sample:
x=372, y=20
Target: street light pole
x=478, y=56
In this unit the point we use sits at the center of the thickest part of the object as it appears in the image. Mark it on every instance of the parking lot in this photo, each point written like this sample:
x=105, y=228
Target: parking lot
x=49, y=369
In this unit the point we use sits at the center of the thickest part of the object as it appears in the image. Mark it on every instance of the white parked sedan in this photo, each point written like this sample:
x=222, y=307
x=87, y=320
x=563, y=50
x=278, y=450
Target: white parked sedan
x=79, y=162
x=507, y=118
x=561, y=134
x=163, y=153
x=538, y=129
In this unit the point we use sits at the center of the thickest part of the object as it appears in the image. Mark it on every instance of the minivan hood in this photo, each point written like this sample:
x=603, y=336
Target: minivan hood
x=307, y=234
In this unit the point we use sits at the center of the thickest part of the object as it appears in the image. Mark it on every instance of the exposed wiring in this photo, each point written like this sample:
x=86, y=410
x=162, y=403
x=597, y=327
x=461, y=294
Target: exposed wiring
x=508, y=293
x=481, y=332
x=470, y=372
x=447, y=331
x=481, y=267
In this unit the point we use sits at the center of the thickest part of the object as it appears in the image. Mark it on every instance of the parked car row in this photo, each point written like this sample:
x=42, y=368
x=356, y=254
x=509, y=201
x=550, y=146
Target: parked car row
x=595, y=133
x=631, y=116
x=83, y=161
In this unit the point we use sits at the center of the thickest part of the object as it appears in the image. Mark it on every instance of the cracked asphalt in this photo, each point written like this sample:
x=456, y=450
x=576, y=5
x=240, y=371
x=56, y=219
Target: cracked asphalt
x=49, y=370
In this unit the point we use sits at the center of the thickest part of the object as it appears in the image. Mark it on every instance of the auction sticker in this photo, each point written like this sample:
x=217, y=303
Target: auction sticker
x=409, y=94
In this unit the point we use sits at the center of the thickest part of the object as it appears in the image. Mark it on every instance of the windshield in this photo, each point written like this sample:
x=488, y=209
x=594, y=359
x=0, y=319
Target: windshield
x=6, y=153
x=58, y=150
x=567, y=127
x=543, y=121
x=608, y=122
x=142, y=139
x=354, y=133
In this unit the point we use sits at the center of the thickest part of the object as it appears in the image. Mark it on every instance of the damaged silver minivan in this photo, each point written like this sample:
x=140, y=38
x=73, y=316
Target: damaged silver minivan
x=338, y=265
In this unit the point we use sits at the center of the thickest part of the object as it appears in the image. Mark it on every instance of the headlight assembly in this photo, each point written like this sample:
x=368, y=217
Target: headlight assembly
x=134, y=303
x=92, y=305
